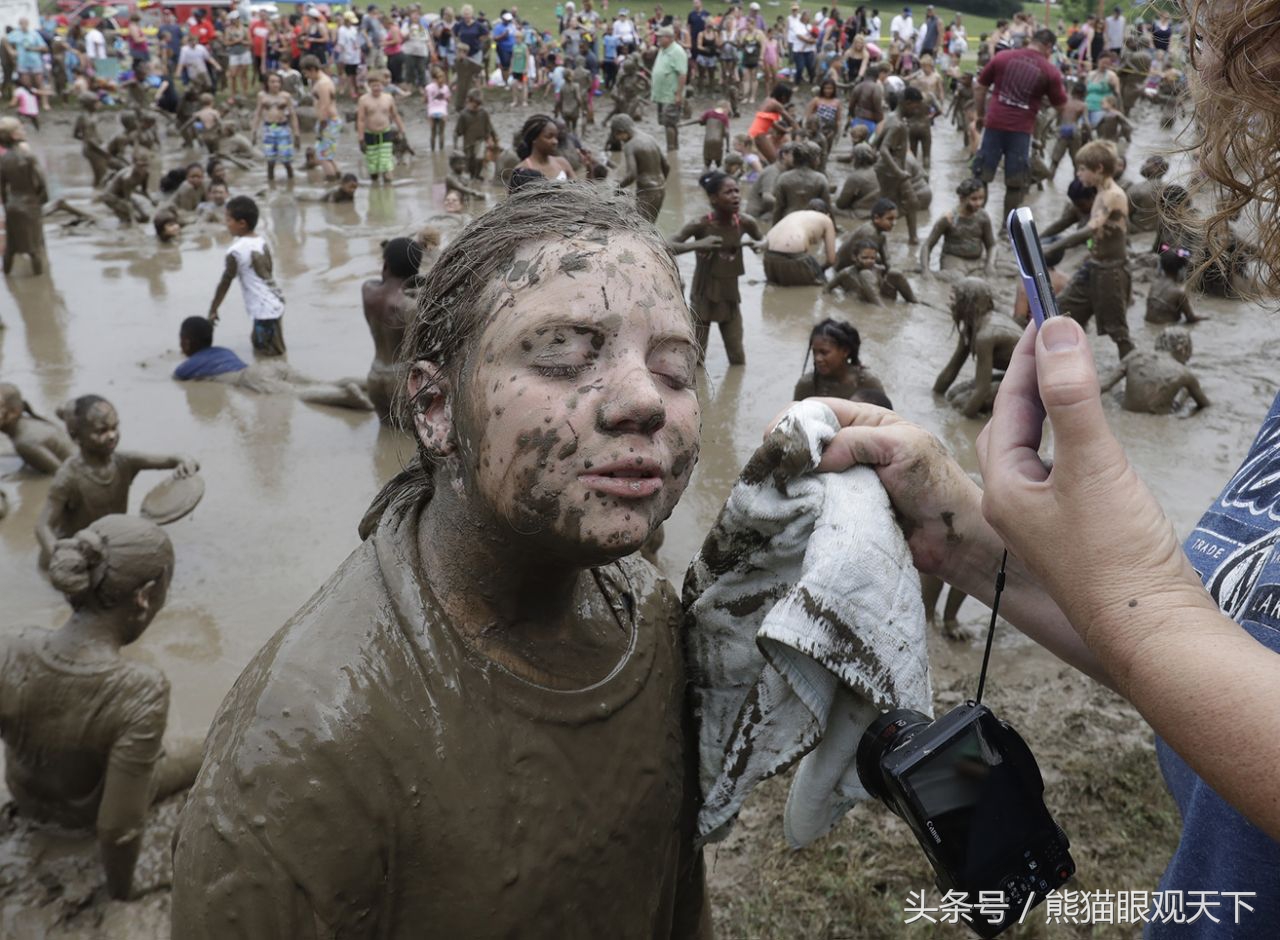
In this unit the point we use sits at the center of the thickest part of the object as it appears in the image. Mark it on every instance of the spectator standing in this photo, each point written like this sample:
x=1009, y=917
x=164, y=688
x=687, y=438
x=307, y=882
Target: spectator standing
x=930, y=34
x=902, y=29
x=30, y=47
x=169, y=41
x=348, y=51
x=1115, y=32
x=417, y=49
x=670, y=73
x=504, y=40
x=470, y=35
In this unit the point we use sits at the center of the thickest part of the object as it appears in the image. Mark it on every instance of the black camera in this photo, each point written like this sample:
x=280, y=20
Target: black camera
x=970, y=789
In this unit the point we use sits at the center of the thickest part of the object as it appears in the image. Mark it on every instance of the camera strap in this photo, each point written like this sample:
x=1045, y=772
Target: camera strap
x=991, y=627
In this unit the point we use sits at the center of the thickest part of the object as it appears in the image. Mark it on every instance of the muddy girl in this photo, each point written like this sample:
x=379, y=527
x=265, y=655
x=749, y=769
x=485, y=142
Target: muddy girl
x=509, y=629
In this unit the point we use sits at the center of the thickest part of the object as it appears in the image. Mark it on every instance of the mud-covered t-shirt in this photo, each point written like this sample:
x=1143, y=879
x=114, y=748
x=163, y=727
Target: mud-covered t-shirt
x=65, y=722
x=371, y=774
x=89, y=493
x=1233, y=548
x=250, y=258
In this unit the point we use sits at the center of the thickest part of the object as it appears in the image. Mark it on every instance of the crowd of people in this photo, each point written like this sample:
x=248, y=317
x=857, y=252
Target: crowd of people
x=817, y=147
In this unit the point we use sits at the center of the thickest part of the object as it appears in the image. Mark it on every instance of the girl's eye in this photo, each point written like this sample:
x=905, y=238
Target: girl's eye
x=560, y=371
x=677, y=381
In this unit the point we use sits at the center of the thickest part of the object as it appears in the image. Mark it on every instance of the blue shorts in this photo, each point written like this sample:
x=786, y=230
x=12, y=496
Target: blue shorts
x=1014, y=147
x=277, y=143
x=869, y=125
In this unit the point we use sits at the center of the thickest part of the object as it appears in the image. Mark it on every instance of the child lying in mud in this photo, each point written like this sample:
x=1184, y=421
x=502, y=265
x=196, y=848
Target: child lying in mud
x=478, y=723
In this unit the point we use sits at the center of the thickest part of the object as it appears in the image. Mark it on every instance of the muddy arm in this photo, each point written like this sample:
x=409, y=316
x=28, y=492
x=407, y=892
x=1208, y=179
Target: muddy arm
x=182, y=466
x=981, y=379
x=1196, y=392
x=952, y=368
x=39, y=457
x=122, y=817
x=50, y=518
x=228, y=276
x=939, y=229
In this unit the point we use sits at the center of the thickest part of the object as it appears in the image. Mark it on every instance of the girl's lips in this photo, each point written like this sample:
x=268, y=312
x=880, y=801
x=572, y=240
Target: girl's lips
x=622, y=487
x=625, y=479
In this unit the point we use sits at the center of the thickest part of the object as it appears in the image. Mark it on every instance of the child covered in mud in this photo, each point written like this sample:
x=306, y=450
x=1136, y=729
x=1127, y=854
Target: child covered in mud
x=968, y=242
x=249, y=261
x=1154, y=382
x=837, y=371
x=95, y=482
x=83, y=725
x=717, y=238
x=474, y=132
x=985, y=336
x=41, y=444
x=207, y=362
x=715, y=122
x=1167, y=301
x=389, y=304
x=23, y=193
x=503, y=733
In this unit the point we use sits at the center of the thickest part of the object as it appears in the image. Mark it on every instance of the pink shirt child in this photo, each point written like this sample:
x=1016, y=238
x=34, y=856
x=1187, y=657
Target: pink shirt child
x=438, y=100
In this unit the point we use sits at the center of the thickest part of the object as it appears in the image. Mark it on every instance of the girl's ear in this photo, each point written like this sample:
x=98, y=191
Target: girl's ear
x=431, y=404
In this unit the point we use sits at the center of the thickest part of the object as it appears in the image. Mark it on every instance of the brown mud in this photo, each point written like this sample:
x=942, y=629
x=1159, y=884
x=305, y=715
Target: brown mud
x=288, y=484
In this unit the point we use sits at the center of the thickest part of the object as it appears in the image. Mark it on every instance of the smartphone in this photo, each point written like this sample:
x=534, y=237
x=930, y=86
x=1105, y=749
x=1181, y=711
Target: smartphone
x=1031, y=265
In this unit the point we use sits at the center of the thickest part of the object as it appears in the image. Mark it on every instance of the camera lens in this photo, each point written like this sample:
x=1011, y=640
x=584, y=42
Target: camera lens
x=888, y=732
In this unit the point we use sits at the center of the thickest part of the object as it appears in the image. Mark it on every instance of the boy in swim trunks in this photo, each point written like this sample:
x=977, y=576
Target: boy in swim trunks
x=375, y=116
x=279, y=121
x=328, y=123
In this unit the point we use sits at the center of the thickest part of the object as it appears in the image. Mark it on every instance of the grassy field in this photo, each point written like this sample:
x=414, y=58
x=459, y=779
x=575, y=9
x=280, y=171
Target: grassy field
x=542, y=12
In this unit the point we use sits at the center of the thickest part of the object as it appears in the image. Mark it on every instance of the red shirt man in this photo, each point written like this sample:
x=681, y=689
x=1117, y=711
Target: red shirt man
x=1014, y=84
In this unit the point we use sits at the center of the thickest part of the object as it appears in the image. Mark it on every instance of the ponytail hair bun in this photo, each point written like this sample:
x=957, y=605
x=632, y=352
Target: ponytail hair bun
x=711, y=181
x=77, y=566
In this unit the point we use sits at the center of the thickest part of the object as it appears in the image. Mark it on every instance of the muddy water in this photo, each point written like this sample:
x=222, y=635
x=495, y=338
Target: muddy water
x=288, y=482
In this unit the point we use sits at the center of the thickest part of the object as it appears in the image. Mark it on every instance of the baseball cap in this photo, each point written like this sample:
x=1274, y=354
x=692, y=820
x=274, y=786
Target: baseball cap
x=754, y=6
x=666, y=31
x=506, y=17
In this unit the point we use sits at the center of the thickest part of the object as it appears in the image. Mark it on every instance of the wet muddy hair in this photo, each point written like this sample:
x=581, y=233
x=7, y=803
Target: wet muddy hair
x=970, y=299
x=840, y=332
x=782, y=92
x=1154, y=167
x=75, y=412
x=460, y=295
x=1175, y=340
x=970, y=186
x=11, y=398
x=107, y=561
x=529, y=132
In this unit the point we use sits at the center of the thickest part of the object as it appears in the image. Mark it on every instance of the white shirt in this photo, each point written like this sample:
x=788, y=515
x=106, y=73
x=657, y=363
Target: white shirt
x=796, y=30
x=348, y=44
x=194, y=57
x=874, y=24
x=902, y=28
x=262, y=298
x=95, y=44
x=625, y=30
x=1115, y=31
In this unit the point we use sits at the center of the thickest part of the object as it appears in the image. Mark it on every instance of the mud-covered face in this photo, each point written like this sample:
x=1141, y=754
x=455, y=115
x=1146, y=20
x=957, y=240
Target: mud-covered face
x=579, y=422
x=887, y=221
x=867, y=258
x=728, y=199
x=100, y=431
x=974, y=202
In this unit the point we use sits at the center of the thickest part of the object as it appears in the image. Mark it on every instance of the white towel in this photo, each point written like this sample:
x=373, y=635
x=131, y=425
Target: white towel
x=803, y=623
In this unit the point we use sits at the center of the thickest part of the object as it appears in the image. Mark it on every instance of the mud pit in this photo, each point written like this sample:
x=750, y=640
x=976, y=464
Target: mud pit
x=287, y=484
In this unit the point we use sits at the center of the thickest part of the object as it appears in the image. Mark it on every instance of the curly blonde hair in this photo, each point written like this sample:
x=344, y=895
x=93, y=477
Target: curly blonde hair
x=1235, y=83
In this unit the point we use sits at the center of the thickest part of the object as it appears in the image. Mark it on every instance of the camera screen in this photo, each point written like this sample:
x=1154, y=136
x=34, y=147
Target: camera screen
x=974, y=808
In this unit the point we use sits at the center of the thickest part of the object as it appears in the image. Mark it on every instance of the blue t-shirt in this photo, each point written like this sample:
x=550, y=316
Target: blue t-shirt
x=504, y=36
x=1233, y=550
x=170, y=35
x=216, y=360
x=610, y=47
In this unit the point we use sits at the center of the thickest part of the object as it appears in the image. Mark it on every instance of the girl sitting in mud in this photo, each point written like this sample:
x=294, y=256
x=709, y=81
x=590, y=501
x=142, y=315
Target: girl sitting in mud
x=82, y=725
x=489, y=693
x=41, y=444
x=95, y=482
x=837, y=371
